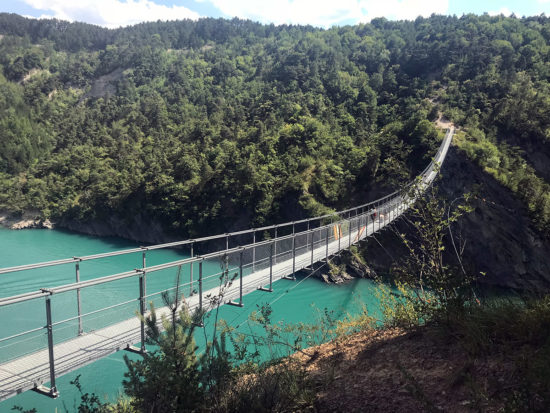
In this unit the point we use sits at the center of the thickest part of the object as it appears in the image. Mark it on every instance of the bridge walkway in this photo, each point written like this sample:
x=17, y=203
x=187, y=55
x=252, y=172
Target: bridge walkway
x=34, y=370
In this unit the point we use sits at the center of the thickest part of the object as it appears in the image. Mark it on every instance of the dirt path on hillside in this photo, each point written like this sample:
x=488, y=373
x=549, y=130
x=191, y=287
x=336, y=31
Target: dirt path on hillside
x=442, y=122
x=397, y=371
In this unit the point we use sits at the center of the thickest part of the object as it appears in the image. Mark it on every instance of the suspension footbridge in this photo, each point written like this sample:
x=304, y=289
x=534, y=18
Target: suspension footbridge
x=251, y=260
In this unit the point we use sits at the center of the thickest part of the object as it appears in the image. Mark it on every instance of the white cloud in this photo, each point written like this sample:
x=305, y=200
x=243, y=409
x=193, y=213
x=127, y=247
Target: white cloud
x=315, y=12
x=505, y=11
x=325, y=13
x=111, y=13
x=404, y=9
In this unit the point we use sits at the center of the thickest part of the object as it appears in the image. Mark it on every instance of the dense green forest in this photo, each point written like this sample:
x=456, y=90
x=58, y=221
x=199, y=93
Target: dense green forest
x=216, y=124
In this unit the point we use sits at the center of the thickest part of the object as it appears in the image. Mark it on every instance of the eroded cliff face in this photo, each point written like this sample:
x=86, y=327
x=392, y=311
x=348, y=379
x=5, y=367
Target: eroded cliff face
x=499, y=238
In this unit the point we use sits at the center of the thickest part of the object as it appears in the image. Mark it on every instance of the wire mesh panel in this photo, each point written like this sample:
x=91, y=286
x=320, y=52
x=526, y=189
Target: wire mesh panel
x=302, y=244
x=262, y=254
x=16, y=341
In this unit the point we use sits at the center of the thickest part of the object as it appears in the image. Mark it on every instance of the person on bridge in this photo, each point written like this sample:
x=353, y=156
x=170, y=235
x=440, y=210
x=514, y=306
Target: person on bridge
x=374, y=214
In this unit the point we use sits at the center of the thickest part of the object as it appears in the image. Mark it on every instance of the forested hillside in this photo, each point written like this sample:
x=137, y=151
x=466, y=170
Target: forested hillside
x=213, y=125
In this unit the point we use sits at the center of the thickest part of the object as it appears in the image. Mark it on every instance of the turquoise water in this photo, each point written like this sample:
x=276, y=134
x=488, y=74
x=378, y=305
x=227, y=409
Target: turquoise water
x=292, y=301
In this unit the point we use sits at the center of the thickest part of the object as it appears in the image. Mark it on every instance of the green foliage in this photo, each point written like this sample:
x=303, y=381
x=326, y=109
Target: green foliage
x=20, y=409
x=206, y=120
x=355, y=323
x=432, y=286
x=516, y=330
x=283, y=387
x=403, y=308
x=89, y=403
x=505, y=324
x=192, y=124
x=167, y=378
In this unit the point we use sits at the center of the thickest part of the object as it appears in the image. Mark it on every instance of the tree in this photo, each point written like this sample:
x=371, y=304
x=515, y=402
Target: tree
x=167, y=378
x=438, y=288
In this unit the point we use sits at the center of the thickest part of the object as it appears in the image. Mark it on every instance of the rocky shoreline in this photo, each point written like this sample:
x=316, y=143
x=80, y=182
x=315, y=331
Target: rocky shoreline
x=344, y=268
x=25, y=221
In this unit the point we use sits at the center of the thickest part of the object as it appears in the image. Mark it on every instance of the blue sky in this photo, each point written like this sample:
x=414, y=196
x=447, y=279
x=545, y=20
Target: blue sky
x=323, y=13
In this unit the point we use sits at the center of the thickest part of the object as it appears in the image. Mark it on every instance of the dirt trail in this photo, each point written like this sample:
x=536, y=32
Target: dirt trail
x=442, y=122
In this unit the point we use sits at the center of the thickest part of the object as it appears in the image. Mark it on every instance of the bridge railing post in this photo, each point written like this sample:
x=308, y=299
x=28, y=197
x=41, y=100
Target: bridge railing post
x=271, y=266
x=200, y=287
x=339, y=232
x=254, y=250
x=241, y=279
x=326, y=245
x=379, y=215
x=358, y=227
x=349, y=230
x=78, y=300
x=191, y=253
x=275, y=249
x=294, y=257
x=312, y=247
x=53, y=389
x=142, y=309
x=144, y=265
x=240, y=303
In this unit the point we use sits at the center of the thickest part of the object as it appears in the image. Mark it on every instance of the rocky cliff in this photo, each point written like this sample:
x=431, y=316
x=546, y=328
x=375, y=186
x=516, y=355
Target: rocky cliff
x=499, y=238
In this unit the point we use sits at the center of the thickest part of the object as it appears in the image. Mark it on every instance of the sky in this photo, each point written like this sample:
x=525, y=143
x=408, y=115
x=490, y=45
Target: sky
x=320, y=13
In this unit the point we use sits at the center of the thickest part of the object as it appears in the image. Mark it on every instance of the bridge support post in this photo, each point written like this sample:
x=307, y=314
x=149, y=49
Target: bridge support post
x=52, y=391
x=293, y=256
x=142, y=309
x=358, y=227
x=78, y=301
x=339, y=232
x=191, y=272
x=349, y=230
x=378, y=216
x=312, y=247
x=271, y=267
x=275, y=250
x=144, y=265
x=200, y=285
x=200, y=323
x=326, y=245
x=226, y=242
x=254, y=251
x=241, y=279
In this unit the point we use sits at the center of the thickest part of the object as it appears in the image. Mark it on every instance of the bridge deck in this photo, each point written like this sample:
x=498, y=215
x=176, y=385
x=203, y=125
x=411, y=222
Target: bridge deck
x=32, y=370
